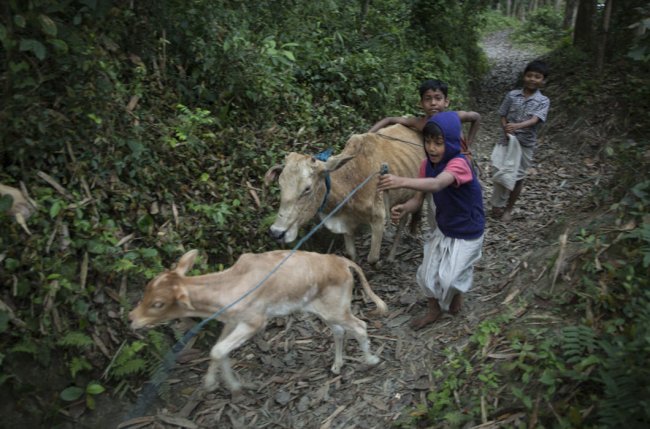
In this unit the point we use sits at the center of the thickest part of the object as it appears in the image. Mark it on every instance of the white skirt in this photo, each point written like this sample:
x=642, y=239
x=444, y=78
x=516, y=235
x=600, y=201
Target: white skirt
x=448, y=266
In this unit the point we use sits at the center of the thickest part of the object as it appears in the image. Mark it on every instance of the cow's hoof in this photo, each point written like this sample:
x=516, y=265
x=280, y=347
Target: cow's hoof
x=372, y=360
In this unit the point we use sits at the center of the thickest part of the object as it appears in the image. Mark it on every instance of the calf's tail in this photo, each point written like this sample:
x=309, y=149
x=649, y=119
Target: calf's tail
x=382, y=308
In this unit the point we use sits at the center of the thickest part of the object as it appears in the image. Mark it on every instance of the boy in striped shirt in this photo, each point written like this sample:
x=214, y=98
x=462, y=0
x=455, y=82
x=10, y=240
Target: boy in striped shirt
x=522, y=111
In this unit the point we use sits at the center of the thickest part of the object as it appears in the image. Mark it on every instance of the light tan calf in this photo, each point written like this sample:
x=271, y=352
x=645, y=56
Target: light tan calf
x=306, y=281
x=303, y=188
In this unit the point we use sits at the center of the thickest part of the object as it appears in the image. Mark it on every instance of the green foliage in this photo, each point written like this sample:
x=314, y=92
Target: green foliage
x=493, y=20
x=542, y=27
x=74, y=393
x=598, y=364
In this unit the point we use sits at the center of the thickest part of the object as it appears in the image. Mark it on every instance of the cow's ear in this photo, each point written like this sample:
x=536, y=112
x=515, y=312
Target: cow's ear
x=272, y=174
x=182, y=297
x=186, y=262
x=338, y=161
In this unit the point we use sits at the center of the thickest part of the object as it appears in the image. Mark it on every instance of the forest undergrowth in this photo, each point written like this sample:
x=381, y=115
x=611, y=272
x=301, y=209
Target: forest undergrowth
x=134, y=150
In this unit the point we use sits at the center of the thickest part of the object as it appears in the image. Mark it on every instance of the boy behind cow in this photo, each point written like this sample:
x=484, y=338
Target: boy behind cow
x=433, y=100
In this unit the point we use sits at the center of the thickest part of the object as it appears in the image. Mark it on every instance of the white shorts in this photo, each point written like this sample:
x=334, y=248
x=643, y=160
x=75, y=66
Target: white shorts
x=448, y=266
x=501, y=194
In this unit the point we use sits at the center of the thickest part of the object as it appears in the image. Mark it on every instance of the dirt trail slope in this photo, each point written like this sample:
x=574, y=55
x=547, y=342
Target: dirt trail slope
x=289, y=363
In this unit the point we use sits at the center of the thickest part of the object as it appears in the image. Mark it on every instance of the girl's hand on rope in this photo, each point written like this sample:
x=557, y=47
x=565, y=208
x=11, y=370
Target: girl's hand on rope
x=389, y=181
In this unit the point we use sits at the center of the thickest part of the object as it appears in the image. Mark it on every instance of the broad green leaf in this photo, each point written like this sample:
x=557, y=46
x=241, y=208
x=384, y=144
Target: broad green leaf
x=19, y=20
x=59, y=45
x=72, y=393
x=145, y=224
x=90, y=402
x=96, y=247
x=34, y=46
x=55, y=209
x=47, y=25
x=94, y=388
x=148, y=253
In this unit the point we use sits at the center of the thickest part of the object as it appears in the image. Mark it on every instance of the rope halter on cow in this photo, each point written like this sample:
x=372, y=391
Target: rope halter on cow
x=324, y=156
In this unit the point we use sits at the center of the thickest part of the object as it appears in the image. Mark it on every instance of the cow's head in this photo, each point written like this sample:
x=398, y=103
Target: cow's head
x=165, y=297
x=302, y=191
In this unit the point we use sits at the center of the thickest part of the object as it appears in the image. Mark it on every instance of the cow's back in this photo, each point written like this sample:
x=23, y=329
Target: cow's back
x=398, y=146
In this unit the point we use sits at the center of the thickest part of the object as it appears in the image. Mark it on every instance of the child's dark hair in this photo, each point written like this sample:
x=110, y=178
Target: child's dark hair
x=431, y=130
x=537, y=66
x=435, y=85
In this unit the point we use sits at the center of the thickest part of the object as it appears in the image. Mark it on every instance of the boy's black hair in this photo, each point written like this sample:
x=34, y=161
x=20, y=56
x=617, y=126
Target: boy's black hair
x=537, y=66
x=435, y=85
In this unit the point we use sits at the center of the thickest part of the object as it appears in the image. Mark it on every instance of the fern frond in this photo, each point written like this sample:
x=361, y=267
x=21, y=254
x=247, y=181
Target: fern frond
x=76, y=339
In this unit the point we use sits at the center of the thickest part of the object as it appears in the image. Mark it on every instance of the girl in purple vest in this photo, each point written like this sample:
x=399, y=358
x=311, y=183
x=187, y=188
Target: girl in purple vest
x=455, y=246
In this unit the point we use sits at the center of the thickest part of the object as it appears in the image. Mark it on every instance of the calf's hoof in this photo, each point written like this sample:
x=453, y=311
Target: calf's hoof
x=210, y=383
x=372, y=360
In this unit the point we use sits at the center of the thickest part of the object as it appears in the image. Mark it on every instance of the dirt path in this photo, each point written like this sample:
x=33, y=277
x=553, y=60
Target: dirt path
x=289, y=363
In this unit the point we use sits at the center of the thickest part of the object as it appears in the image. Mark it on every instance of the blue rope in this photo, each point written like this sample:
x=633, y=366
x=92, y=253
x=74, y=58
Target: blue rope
x=170, y=358
x=324, y=156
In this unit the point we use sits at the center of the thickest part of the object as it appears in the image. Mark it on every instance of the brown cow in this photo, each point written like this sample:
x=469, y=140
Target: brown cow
x=303, y=188
x=306, y=281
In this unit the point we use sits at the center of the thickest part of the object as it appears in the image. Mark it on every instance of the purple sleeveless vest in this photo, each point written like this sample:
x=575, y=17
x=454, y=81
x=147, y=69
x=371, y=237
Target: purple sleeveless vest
x=459, y=211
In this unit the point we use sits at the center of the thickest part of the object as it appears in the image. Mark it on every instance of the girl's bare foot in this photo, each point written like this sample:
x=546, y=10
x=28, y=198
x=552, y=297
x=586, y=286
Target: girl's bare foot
x=456, y=304
x=507, y=216
x=433, y=313
x=497, y=212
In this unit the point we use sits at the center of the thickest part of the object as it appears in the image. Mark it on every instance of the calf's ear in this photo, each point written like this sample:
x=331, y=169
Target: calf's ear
x=182, y=297
x=186, y=262
x=272, y=174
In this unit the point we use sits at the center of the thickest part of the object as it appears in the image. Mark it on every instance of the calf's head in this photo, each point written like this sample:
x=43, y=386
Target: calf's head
x=302, y=191
x=165, y=297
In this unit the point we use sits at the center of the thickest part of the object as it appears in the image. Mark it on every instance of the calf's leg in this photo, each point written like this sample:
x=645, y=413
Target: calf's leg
x=356, y=327
x=233, y=338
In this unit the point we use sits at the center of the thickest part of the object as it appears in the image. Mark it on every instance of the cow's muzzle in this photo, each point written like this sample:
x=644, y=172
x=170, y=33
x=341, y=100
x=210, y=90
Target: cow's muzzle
x=277, y=234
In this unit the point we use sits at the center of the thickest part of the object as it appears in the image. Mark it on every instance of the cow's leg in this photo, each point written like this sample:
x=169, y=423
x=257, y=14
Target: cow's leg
x=397, y=238
x=233, y=338
x=377, y=231
x=350, y=248
x=339, y=333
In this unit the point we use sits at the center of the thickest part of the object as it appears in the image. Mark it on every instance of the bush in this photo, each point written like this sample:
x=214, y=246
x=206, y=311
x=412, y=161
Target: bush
x=542, y=27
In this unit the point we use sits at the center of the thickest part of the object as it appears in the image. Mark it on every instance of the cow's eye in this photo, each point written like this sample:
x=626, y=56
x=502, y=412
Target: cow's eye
x=307, y=190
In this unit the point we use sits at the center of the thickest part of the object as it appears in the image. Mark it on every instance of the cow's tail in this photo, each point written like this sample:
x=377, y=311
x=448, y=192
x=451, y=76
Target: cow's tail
x=382, y=308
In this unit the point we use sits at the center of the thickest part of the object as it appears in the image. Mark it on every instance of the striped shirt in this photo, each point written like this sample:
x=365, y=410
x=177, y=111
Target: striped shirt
x=517, y=108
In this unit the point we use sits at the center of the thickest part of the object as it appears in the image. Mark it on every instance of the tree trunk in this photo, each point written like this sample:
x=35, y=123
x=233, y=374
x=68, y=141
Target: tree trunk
x=570, y=10
x=602, y=45
x=584, y=29
x=364, y=11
